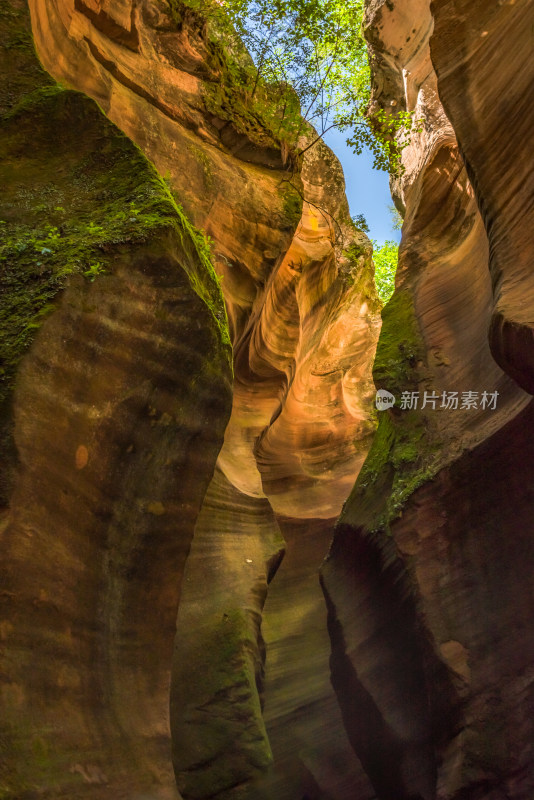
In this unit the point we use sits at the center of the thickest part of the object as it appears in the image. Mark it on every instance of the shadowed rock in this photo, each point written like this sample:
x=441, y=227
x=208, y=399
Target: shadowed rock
x=302, y=314
x=420, y=598
x=116, y=413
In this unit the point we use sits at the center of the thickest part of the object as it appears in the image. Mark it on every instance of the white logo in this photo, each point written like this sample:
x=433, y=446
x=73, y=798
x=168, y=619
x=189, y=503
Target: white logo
x=384, y=400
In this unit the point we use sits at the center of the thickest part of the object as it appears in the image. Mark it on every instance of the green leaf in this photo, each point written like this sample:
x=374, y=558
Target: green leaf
x=385, y=259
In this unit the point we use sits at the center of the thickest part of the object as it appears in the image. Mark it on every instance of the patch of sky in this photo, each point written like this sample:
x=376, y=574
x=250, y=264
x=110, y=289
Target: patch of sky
x=367, y=189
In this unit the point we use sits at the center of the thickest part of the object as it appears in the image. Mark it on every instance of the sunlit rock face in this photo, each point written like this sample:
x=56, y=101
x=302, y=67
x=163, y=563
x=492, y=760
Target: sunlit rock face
x=118, y=412
x=428, y=579
x=303, y=390
x=136, y=450
x=485, y=80
x=296, y=437
x=303, y=323
x=161, y=79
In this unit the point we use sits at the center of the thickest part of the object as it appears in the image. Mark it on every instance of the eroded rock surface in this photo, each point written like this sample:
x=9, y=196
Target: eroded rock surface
x=484, y=70
x=427, y=583
x=296, y=437
x=117, y=411
x=419, y=578
x=303, y=318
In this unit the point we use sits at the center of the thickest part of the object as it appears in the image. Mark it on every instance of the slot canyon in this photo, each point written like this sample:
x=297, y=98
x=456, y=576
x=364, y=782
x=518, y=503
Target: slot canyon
x=224, y=573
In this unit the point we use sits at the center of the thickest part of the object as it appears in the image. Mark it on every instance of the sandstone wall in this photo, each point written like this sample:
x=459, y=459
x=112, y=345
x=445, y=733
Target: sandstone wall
x=427, y=580
x=296, y=438
x=140, y=486
x=303, y=319
x=115, y=414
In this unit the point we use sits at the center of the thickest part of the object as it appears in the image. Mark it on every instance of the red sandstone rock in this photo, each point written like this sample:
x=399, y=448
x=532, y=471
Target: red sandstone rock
x=428, y=579
x=119, y=412
x=482, y=54
x=429, y=600
x=303, y=320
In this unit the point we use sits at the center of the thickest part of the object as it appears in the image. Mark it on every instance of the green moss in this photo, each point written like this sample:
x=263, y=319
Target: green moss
x=32, y=101
x=113, y=197
x=355, y=251
x=226, y=655
x=229, y=100
x=356, y=268
x=205, y=164
x=380, y=451
x=400, y=349
x=401, y=459
x=267, y=114
x=405, y=452
x=292, y=207
x=76, y=195
x=20, y=69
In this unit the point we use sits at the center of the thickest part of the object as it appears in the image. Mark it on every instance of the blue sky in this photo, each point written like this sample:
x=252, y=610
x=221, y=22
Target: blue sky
x=367, y=188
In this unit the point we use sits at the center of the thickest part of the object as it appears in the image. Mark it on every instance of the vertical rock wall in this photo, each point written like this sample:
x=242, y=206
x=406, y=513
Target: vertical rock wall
x=296, y=438
x=482, y=56
x=116, y=414
x=121, y=402
x=302, y=314
x=427, y=581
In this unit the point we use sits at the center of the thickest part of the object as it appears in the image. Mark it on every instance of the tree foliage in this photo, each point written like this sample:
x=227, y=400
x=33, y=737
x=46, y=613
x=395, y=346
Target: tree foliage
x=385, y=259
x=361, y=223
x=396, y=218
x=313, y=51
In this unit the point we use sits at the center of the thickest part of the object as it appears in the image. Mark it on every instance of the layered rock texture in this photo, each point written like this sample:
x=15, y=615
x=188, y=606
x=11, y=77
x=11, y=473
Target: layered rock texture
x=428, y=579
x=474, y=68
x=296, y=438
x=116, y=415
x=184, y=417
x=119, y=406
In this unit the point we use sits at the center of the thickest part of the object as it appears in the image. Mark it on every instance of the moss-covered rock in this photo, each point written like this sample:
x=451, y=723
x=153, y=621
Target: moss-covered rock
x=405, y=450
x=400, y=460
x=400, y=350
x=258, y=121
x=115, y=362
x=226, y=663
x=75, y=193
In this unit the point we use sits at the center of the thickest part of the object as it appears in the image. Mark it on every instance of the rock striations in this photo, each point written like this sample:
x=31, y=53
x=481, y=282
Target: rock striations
x=117, y=413
x=484, y=68
x=296, y=438
x=428, y=579
x=187, y=401
x=120, y=405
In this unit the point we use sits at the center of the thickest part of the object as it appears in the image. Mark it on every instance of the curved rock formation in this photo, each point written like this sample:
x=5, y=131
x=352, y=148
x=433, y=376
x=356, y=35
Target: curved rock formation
x=303, y=318
x=484, y=70
x=276, y=286
x=432, y=553
x=296, y=438
x=117, y=413
x=119, y=410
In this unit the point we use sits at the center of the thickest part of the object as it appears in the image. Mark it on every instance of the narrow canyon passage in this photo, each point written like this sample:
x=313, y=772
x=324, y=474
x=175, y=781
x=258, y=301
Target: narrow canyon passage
x=312, y=755
x=297, y=434
x=198, y=497
x=224, y=698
